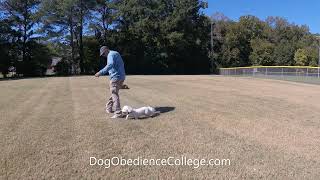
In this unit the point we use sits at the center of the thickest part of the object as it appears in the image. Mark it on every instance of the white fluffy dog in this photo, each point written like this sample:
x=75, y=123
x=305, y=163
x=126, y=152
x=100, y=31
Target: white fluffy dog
x=140, y=112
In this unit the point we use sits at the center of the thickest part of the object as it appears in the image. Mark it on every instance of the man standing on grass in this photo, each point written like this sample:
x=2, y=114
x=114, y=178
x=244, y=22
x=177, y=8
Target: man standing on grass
x=117, y=75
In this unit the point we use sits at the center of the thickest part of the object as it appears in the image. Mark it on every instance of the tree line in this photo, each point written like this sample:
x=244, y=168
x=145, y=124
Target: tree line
x=153, y=36
x=252, y=41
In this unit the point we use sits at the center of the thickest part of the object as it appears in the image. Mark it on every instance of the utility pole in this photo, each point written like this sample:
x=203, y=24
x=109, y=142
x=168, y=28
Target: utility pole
x=211, y=36
x=205, y=5
x=319, y=64
x=319, y=59
x=212, y=52
x=318, y=38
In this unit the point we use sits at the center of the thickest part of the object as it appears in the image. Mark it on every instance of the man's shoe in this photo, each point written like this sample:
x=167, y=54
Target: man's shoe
x=109, y=111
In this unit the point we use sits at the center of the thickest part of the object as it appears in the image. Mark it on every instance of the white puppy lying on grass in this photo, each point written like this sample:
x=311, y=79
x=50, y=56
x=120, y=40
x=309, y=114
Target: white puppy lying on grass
x=140, y=112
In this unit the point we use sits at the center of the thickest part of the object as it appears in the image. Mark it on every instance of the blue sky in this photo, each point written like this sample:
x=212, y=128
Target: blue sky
x=295, y=11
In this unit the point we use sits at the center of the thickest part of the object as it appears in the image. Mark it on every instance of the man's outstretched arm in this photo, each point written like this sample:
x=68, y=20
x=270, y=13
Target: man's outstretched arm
x=106, y=68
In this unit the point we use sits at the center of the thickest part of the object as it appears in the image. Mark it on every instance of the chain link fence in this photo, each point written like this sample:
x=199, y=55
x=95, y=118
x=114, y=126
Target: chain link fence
x=292, y=73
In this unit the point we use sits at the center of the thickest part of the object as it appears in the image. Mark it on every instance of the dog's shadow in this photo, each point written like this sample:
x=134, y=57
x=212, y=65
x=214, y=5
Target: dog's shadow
x=164, y=109
x=161, y=109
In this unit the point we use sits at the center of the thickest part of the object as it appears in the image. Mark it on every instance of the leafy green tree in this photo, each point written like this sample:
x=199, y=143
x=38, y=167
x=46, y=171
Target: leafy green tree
x=23, y=16
x=66, y=18
x=237, y=47
x=164, y=36
x=91, y=58
x=59, y=23
x=313, y=56
x=254, y=42
x=306, y=57
x=102, y=19
x=284, y=54
x=38, y=60
x=262, y=52
x=301, y=58
x=82, y=8
x=63, y=68
x=5, y=47
x=220, y=26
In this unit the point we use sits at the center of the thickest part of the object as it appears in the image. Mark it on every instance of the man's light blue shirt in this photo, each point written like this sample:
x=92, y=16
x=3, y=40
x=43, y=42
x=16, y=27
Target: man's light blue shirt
x=115, y=67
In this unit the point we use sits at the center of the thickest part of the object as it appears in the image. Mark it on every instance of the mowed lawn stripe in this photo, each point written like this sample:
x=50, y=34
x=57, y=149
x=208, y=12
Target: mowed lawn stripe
x=39, y=147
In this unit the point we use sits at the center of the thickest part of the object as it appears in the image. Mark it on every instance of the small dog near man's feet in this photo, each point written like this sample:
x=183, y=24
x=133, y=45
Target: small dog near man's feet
x=140, y=112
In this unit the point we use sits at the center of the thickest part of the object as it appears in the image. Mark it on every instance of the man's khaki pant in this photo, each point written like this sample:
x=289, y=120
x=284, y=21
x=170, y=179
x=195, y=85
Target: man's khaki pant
x=114, y=100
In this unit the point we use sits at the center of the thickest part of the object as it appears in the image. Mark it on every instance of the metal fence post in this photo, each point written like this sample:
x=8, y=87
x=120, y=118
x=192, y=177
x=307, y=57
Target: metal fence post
x=307, y=71
x=266, y=71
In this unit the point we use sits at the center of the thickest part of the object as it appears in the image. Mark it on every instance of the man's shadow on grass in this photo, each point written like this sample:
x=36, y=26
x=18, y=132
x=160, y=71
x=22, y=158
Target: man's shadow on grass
x=161, y=109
